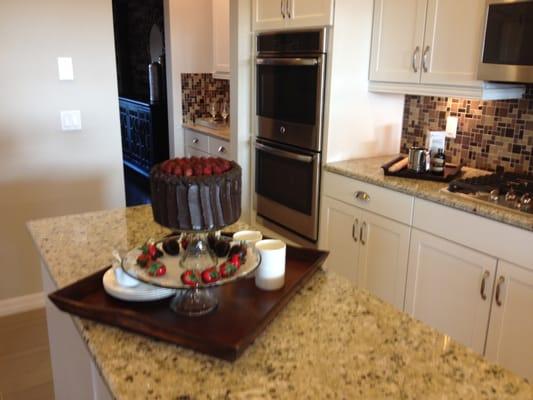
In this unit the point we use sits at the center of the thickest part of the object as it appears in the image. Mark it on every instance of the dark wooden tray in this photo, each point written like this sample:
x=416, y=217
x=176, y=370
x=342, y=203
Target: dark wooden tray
x=451, y=171
x=242, y=314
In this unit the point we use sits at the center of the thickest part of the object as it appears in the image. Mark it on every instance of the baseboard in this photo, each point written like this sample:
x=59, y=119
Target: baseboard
x=21, y=304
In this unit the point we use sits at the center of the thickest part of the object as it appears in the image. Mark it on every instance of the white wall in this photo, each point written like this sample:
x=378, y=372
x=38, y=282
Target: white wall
x=360, y=124
x=188, y=35
x=241, y=95
x=45, y=171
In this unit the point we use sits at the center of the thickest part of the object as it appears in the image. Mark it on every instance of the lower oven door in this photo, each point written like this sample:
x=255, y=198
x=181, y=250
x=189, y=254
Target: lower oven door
x=287, y=187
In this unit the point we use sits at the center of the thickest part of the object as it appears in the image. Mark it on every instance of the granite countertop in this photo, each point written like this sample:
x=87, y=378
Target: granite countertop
x=218, y=133
x=369, y=170
x=331, y=341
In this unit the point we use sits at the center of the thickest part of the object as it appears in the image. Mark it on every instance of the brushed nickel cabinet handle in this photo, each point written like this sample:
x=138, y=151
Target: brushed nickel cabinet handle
x=363, y=241
x=221, y=149
x=501, y=280
x=486, y=274
x=360, y=195
x=195, y=140
x=282, y=2
x=425, y=59
x=414, y=61
x=354, y=229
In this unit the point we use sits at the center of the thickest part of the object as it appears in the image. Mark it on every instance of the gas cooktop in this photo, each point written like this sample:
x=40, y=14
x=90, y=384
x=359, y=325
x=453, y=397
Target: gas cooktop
x=504, y=189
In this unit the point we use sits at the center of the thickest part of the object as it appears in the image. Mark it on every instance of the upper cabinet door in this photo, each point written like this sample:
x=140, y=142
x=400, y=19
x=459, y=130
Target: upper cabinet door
x=382, y=267
x=511, y=323
x=452, y=42
x=397, y=39
x=268, y=14
x=221, y=38
x=307, y=13
x=449, y=287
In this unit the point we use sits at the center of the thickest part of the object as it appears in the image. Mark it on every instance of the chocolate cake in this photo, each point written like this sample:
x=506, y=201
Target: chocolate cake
x=196, y=194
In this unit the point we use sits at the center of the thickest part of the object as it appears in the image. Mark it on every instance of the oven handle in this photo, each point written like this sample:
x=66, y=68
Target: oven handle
x=287, y=61
x=284, y=153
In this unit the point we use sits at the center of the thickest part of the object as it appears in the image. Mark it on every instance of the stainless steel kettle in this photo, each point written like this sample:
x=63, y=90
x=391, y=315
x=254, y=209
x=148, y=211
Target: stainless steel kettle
x=419, y=160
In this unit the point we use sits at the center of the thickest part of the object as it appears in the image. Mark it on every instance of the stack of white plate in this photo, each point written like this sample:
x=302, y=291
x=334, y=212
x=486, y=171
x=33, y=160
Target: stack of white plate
x=138, y=292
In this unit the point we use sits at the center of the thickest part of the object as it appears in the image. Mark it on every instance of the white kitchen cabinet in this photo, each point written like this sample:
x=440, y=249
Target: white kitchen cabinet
x=452, y=42
x=192, y=152
x=339, y=234
x=291, y=14
x=221, y=63
x=219, y=148
x=309, y=13
x=509, y=340
x=369, y=250
x=397, y=37
x=202, y=145
x=430, y=47
x=449, y=287
x=384, y=248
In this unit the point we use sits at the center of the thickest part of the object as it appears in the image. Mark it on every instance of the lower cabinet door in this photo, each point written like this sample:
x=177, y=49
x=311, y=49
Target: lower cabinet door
x=339, y=235
x=384, y=249
x=510, y=335
x=449, y=287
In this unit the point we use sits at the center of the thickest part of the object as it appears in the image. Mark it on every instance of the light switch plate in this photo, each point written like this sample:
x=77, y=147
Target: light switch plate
x=65, y=69
x=451, y=127
x=71, y=120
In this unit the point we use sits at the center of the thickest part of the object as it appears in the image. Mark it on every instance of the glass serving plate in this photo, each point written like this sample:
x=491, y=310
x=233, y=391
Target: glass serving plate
x=189, y=300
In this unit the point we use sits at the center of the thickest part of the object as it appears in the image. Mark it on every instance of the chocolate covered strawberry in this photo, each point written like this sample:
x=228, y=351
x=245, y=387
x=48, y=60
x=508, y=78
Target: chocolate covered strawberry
x=190, y=278
x=210, y=275
x=143, y=260
x=227, y=269
x=157, y=269
x=171, y=246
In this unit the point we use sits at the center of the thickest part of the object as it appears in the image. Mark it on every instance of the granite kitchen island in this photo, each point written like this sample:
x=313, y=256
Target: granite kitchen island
x=331, y=341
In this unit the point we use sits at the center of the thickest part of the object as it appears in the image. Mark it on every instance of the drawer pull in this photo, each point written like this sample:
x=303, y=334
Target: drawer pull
x=195, y=140
x=486, y=274
x=361, y=231
x=221, y=149
x=501, y=279
x=354, y=229
x=360, y=195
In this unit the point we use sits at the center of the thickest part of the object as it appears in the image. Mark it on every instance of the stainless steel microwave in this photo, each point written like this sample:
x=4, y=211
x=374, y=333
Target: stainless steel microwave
x=507, y=48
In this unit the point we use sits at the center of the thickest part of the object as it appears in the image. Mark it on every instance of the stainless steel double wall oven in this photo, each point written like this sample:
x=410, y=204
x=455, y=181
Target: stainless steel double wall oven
x=290, y=81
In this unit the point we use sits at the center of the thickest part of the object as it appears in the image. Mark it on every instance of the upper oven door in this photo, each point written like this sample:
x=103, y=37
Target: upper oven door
x=290, y=99
x=507, y=53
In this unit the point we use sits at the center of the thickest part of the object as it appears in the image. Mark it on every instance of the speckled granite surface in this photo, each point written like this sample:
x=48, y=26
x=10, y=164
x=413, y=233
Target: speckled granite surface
x=369, y=170
x=331, y=341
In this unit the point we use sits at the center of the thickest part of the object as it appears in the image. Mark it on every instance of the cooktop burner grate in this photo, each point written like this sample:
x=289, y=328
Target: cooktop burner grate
x=507, y=189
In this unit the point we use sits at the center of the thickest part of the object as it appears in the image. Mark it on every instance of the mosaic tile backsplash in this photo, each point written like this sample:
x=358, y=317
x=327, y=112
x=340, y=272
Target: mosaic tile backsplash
x=489, y=133
x=199, y=91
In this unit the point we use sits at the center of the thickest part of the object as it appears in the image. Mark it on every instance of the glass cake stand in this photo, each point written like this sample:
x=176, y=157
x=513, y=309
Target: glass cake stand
x=189, y=300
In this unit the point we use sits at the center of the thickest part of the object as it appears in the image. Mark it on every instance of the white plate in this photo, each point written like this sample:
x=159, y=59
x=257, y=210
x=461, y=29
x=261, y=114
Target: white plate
x=143, y=292
x=172, y=278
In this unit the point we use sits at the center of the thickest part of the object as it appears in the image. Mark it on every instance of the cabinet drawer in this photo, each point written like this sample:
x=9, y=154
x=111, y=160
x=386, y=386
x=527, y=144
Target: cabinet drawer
x=219, y=148
x=386, y=202
x=491, y=237
x=196, y=140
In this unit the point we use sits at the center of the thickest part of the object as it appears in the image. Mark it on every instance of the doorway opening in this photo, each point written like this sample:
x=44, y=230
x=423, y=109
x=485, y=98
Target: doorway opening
x=140, y=58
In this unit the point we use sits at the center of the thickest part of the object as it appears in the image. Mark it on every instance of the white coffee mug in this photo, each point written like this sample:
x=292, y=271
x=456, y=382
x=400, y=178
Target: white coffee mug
x=251, y=237
x=270, y=275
